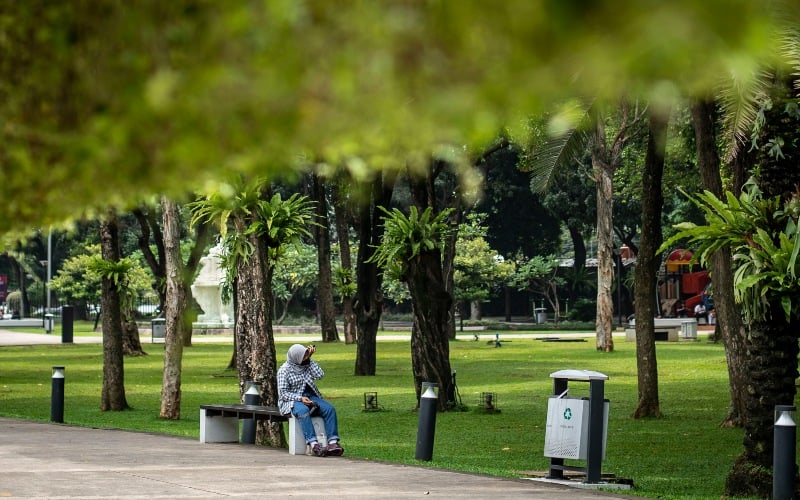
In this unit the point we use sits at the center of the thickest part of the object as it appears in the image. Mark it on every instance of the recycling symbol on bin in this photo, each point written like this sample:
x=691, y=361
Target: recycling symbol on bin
x=568, y=414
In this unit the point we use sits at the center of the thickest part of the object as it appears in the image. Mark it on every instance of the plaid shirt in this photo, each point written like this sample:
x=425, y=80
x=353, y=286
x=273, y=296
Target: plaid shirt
x=292, y=382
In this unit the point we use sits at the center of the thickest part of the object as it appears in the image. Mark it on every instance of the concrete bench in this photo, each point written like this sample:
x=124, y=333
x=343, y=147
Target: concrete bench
x=220, y=424
x=669, y=329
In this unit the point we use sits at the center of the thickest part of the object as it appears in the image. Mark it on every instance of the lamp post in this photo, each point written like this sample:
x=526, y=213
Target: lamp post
x=45, y=301
x=618, y=259
x=49, y=262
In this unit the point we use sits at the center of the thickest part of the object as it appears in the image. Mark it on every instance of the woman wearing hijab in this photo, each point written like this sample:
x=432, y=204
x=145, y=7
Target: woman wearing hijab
x=298, y=395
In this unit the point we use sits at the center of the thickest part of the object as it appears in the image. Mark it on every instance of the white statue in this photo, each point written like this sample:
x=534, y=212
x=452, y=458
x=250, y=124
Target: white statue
x=207, y=291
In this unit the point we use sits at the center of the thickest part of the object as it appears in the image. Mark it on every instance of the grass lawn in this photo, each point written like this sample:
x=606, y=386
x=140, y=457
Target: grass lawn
x=685, y=454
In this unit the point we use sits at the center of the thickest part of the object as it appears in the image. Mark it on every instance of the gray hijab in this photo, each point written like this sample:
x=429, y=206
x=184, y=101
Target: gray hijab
x=294, y=358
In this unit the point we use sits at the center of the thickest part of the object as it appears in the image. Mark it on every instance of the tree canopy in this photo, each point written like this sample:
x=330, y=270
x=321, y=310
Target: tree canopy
x=104, y=102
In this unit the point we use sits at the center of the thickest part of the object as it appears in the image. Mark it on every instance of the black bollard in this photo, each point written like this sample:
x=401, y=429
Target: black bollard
x=66, y=324
x=783, y=457
x=427, y=421
x=57, y=395
x=251, y=397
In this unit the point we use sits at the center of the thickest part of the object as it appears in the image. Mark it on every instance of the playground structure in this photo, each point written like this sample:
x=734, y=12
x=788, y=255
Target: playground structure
x=682, y=281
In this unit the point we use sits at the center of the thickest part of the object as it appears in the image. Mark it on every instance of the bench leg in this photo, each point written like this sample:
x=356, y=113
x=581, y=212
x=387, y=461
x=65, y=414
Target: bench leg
x=297, y=443
x=218, y=429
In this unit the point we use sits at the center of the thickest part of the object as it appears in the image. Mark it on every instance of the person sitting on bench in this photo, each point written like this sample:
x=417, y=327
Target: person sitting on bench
x=700, y=312
x=298, y=395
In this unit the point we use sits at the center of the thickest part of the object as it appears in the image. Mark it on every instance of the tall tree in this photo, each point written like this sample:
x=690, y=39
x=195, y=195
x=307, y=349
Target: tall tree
x=322, y=236
x=152, y=236
x=647, y=265
x=412, y=245
x=760, y=227
x=729, y=319
x=606, y=158
x=344, y=277
x=112, y=396
x=368, y=302
x=174, y=311
x=763, y=236
x=589, y=129
x=260, y=224
x=774, y=312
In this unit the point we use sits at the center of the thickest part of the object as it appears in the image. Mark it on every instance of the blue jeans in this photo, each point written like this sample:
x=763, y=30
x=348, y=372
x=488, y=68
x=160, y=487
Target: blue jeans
x=326, y=411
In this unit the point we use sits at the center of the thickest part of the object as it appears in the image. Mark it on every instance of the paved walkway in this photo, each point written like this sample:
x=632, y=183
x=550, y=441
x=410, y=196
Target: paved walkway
x=44, y=460
x=56, y=461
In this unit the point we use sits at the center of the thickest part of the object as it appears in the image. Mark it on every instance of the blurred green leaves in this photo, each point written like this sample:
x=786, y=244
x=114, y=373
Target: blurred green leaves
x=103, y=102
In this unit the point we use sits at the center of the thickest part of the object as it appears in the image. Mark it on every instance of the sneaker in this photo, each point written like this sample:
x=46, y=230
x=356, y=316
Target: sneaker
x=317, y=450
x=334, y=449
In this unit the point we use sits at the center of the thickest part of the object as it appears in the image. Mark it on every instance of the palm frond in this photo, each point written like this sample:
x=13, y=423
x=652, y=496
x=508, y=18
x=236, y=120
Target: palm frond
x=741, y=101
x=791, y=49
x=556, y=153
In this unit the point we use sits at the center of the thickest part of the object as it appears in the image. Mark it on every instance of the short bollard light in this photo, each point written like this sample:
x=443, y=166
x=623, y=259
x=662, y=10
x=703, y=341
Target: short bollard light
x=371, y=401
x=488, y=402
x=784, y=455
x=251, y=397
x=57, y=395
x=426, y=428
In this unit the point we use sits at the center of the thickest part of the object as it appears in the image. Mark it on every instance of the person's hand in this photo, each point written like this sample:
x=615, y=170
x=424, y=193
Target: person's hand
x=306, y=401
x=310, y=350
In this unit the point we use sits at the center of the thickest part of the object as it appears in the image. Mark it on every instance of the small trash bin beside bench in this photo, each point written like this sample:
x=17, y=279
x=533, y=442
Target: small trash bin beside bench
x=669, y=329
x=220, y=424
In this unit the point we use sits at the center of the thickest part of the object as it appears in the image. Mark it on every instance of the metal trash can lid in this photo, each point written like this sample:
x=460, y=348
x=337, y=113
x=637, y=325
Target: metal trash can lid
x=579, y=375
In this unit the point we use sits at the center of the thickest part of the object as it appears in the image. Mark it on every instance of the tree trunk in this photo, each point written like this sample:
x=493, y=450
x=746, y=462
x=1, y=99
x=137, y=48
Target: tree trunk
x=772, y=369
x=772, y=342
x=327, y=311
x=448, y=262
x=343, y=235
x=148, y=224
x=19, y=274
x=432, y=304
x=430, y=340
x=579, y=249
x=152, y=235
x=112, y=395
x=604, y=326
x=174, y=312
x=605, y=160
x=368, y=303
x=255, y=344
x=646, y=266
x=131, y=344
x=202, y=237
x=475, y=310
x=729, y=319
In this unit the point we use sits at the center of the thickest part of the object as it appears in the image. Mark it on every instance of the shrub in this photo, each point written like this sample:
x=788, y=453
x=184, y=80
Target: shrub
x=583, y=310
